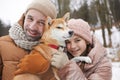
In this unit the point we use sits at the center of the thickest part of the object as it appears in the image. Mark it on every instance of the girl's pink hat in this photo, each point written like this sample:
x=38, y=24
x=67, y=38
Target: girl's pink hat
x=81, y=28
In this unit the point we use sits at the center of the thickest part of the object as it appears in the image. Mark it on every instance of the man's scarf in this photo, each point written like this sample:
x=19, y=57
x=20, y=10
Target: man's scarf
x=16, y=32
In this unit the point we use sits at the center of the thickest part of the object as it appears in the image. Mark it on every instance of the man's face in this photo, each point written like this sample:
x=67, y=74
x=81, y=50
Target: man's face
x=34, y=24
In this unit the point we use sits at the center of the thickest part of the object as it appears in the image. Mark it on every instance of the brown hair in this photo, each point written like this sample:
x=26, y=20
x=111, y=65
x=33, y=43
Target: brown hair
x=85, y=53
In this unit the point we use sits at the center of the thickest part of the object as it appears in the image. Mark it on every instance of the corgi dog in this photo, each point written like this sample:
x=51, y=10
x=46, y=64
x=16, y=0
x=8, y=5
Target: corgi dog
x=38, y=61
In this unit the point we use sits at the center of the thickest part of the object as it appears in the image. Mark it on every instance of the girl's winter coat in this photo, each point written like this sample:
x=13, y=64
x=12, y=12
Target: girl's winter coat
x=99, y=69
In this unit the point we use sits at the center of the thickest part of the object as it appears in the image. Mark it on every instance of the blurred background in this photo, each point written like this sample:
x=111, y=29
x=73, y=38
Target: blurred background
x=102, y=15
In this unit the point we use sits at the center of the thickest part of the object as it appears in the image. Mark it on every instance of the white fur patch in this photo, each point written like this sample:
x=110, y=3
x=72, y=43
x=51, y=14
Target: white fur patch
x=82, y=58
x=61, y=34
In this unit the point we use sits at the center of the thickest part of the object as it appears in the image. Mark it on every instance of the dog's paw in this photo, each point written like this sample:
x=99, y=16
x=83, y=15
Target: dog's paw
x=88, y=60
x=82, y=58
x=76, y=59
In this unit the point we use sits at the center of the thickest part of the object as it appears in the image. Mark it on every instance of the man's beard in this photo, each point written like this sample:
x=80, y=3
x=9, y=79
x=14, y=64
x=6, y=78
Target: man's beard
x=31, y=38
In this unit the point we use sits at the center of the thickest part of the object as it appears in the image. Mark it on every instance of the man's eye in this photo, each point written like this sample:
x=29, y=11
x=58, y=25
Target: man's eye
x=42, y=23
x=29, y=19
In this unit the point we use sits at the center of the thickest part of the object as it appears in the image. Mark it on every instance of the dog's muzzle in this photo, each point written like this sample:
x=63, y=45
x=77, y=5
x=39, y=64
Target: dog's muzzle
x=71, y=33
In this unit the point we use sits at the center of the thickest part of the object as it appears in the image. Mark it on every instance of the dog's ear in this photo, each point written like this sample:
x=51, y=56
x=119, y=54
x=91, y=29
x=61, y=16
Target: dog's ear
x=66, y=16
x=48, y=22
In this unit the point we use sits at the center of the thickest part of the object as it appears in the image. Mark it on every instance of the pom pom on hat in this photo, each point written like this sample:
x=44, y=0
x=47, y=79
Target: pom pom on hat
x=81, y=28
x=44, y=6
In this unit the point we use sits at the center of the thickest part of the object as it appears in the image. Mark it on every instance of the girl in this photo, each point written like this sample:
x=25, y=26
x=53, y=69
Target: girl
x=82, y=44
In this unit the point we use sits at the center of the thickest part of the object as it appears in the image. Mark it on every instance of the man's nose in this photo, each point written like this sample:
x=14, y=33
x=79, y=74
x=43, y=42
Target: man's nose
x=33, y=26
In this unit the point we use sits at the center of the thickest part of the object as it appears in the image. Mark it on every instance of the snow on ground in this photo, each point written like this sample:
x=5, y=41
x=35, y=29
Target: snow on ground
x=112, y=51
x=115, y=70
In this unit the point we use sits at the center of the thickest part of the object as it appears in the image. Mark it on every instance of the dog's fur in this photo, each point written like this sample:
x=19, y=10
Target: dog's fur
x=55, y=33
x=86, y=59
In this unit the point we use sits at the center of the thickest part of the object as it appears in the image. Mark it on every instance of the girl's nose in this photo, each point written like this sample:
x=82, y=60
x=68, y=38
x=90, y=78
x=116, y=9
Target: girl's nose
x=73, y=45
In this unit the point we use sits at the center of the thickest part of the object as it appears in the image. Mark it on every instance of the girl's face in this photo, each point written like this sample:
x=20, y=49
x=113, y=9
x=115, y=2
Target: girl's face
x=76, y=45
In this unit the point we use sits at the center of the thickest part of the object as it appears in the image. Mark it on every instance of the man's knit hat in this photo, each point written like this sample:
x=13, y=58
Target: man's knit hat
x=44, y=6
x=81, y=28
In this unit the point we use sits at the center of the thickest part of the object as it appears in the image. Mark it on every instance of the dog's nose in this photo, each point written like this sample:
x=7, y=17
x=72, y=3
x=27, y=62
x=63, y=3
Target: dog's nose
x=71, y=33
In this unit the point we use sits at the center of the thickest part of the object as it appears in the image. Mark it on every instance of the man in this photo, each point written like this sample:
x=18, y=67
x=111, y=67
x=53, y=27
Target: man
x=23, y=35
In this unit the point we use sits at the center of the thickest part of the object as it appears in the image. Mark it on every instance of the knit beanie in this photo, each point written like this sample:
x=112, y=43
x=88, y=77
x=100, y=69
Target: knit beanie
x=44, y=6
x=81, y=28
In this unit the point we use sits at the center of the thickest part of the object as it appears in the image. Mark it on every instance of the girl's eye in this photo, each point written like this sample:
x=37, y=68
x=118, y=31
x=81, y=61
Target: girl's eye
x=67, y=41
x=78, y=40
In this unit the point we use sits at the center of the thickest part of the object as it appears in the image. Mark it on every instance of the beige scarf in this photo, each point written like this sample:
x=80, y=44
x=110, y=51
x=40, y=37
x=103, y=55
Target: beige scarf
x=17, y=34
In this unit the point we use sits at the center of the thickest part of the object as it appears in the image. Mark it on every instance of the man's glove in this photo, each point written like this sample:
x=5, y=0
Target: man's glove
x=33, y=63
x=59, y=60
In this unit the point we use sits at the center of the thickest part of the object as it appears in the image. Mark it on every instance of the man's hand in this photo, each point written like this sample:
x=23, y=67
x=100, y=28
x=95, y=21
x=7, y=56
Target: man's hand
x=33, y=63
x=59, y=60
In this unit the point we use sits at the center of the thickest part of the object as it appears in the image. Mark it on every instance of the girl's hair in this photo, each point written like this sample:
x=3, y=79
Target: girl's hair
x=85, y=53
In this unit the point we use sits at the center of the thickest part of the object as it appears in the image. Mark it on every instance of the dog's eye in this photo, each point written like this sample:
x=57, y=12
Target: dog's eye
x=59, y=27
x=66, y=25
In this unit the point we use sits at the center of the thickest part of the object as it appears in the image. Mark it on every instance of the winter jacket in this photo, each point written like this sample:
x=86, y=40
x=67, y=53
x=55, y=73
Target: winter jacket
x=99, y=69
x=10, y=54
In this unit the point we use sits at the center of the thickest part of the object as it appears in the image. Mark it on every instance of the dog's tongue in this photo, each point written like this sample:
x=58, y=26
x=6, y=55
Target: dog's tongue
x=53, y=46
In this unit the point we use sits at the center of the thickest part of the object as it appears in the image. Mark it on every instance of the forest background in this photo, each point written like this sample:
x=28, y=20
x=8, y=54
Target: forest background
x=102, y=15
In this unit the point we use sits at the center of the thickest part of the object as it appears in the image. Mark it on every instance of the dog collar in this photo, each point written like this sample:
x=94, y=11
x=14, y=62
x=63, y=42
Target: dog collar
x=53, y=46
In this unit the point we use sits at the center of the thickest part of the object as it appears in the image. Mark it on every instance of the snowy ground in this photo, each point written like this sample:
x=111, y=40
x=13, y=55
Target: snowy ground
x=116, y=71
x=112, y=51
